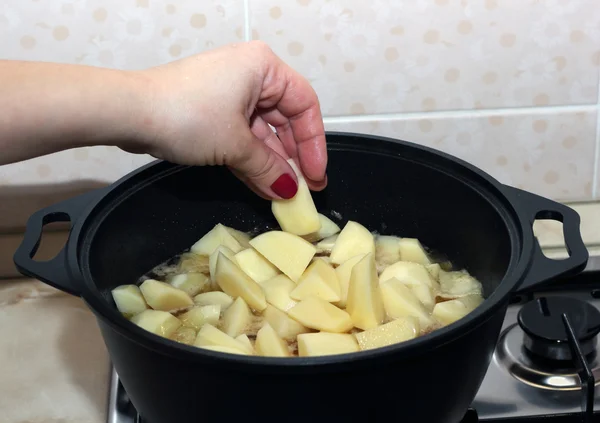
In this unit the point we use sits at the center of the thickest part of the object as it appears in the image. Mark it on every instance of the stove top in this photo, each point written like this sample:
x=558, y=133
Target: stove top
x=546, y=367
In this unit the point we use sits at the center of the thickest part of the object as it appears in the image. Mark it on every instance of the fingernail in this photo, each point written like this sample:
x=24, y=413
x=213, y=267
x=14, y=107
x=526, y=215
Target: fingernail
x=285, y=186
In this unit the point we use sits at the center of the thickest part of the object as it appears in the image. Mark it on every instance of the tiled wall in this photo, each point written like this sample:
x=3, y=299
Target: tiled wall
x=511, y=86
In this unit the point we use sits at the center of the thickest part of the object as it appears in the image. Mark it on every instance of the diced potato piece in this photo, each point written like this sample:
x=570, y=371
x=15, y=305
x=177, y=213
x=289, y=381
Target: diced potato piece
x=325, y=259
x=425, y=295
x=196, y=317
x=184, y=335
x=217, y=236
x=164, y=297
x=319, y=314
x=191, y=283
x=319, y=280
x=328, y=228
x=326, y=245
x=241, y=237
x=399, y=301
x=323, y=343
x=243, y=338
x=255, y=265
x=235, y=282
x=214, y=298
x=448, y=312
x=285, y=326
x=394, y=332
x=289, y=253
x=364, y=297
x=343, y=272
x=212, y=262
x=158, y=322
x=129, y=300
x=409, y=273
x=211, y=336
x=412, y=250
x=236, y=318
x=193, y=263
x=354, y=240
x=269, y=344
x=434, y=270
x=458, y=284
x=277, y=291
x=225, y=349
x=387, y=250
x=298, y=215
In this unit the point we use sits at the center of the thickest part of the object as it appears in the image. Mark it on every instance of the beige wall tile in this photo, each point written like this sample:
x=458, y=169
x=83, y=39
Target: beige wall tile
x=548, y=154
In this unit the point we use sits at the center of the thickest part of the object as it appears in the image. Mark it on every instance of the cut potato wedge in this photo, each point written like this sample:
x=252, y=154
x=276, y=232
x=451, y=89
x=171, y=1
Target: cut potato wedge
x=198, y=316
x=214, y=298
x=343, y=272
x=289, y=253
x=236, y=318
x=191, y=283
x=458, y=284
x=434, y=270
x=425, y=295
x=214, y=257
x=243, y=338
x=158, y=322
x=320, y=281
x=399, y=301
x=326, y=245
x=277, y=292
x=409, y=273
x=286, y=327
x=318, y=314
x=225, y=349
x=210, y=336
x=193, y=263
x=354, y=240
x=184, y=335
x=269, y=344
x=255, y=265
x=412, y=250
x=394, y=332
x=219, y=235
x=164, y=297
x=129, y=300
x=233, y=281
x=298, y=215
x=364, y=303
x=448, y=312
x=328, y=228
x=323, y=343
x=387, y=250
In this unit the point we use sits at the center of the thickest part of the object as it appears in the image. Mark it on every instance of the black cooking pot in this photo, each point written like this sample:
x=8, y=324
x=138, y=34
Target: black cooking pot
x=398, y=188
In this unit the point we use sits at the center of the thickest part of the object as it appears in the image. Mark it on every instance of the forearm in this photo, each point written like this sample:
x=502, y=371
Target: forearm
x=47, y=107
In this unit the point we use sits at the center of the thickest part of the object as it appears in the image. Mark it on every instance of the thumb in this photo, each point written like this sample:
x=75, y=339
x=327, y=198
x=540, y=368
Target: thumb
x=263, y=169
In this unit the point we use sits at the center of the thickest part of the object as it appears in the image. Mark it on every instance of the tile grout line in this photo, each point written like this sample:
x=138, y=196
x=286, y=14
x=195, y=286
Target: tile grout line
x=462, y=113
x=597, y=146
x=247, y=30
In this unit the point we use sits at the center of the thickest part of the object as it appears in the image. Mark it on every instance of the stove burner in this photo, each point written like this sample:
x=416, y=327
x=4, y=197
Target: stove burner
x=544, y=330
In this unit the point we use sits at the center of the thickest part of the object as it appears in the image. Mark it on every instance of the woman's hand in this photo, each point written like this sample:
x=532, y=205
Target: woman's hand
x=214, y=109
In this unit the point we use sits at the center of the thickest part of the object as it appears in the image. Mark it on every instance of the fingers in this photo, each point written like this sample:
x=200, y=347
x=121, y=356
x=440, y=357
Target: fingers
x=261, y=129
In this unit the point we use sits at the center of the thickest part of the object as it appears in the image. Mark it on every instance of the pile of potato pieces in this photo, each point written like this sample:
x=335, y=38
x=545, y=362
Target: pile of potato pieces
x=308, y=290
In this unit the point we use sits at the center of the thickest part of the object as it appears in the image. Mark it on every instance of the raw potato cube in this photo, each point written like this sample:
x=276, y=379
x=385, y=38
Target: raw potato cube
x=256, y=266
x=235, y=282
x=320, y=281
x=326, y=245
x=217, y=236
x=212, y=262
x=285, y=326
x=324, y=259
x=409, y=273
x=412, y=250
x=449, y=312
x=434, y=270
x=319, y=314
x=399, y=301
x=243, y=338
x=458, y=284
x=323, y=343
x=387, y=250
x=269, y=344
x=129, y=300
x=354, y=240
x=277, y=291
x=298, y=215
x=225, y=349
x=214, y=298
x=191, y=283
x=343, y=272
x=241, y=237
x=164, y=297
x=184, y=335
x=328, y=228
x=193, y=263
x=158, y=322
x=289, y=253
x=364, y=297
x=394, y=332
x=196, y=317
x=236, y=318
x=425, y=295
x=211, y=336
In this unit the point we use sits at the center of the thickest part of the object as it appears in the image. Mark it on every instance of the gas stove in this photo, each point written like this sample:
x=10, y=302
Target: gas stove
x=546, y=366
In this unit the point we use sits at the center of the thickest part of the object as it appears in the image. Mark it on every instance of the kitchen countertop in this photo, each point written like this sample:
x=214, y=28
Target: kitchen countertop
x=55, y=368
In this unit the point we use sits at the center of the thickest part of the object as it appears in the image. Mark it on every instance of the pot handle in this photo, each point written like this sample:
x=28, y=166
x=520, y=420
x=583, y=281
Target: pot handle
x=544, y=269
x=53, y=272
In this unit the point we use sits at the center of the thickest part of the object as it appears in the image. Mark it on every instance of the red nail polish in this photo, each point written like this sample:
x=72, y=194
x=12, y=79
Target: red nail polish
x=285, y=186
